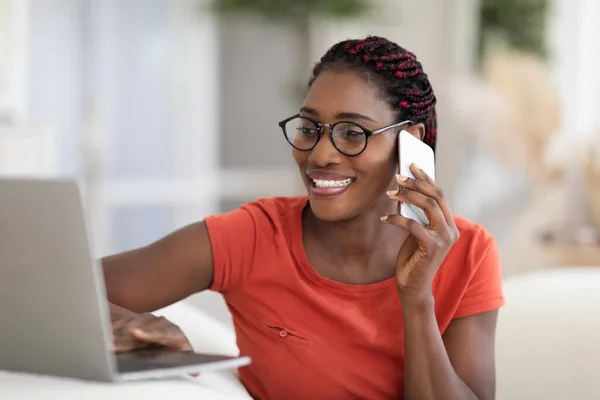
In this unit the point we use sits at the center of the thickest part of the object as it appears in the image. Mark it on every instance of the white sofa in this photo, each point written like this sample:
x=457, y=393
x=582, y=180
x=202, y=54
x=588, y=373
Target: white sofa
x=547, y=343
x=547, y=348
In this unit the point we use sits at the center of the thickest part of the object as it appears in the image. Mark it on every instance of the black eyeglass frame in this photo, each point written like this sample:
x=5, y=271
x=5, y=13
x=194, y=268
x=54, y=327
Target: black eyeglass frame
x=320, y=126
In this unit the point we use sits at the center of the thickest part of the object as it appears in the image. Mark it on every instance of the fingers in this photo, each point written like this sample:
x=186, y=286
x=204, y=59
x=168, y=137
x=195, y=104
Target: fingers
x=171, y=341
x=133, y=321
x=424, y=193
x=430, y=241
x=127, y=343
x=123, y=340
x=422, y=234
x=143, y=330
x=428, y=204
x=162, y=332
x=423, y=184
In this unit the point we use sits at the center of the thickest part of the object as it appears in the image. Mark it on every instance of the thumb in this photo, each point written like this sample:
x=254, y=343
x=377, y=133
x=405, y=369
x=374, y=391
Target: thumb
x=145, y=336
x=161, y=339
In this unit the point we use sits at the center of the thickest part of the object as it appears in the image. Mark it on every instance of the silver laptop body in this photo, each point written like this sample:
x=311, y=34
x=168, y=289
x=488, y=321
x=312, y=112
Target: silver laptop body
x=54, y=316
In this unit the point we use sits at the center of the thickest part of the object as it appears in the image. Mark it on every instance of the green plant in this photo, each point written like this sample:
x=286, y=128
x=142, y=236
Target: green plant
x=297, y=16
x=520, y=23
x=291, y=10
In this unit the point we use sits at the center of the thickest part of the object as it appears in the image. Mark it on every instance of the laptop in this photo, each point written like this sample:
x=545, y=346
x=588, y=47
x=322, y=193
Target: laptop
x=54, y=316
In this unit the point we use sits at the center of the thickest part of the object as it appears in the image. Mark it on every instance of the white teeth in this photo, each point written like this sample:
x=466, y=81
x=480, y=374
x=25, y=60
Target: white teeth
x=323, y=184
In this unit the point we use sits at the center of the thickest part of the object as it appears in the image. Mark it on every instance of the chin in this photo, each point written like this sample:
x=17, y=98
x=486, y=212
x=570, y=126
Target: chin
x=328, y=213
x=333, y=209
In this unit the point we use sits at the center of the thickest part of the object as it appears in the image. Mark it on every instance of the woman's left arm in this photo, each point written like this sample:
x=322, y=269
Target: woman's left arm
x=460, y=365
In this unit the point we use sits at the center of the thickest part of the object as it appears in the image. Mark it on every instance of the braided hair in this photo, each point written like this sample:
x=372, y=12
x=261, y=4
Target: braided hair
x=396, y=72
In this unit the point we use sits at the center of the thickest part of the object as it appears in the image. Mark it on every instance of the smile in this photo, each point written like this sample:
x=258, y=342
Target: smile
x=332, y=183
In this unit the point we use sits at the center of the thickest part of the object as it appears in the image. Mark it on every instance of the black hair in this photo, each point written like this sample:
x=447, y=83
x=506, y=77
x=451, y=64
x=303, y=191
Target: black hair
x=394, y=71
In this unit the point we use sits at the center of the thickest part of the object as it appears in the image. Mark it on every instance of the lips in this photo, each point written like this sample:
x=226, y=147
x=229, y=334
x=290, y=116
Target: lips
x=322, y=183
x=328, y=184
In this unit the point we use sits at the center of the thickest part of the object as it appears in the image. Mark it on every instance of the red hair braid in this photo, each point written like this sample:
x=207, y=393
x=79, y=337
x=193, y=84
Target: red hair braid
x=398, y=73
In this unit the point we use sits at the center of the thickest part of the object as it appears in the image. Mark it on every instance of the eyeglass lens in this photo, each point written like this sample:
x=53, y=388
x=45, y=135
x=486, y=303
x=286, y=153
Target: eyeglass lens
x=347, y=137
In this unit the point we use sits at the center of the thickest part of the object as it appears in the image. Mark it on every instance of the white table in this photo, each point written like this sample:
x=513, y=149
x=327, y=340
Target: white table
x=18, y=386
x=206, y=335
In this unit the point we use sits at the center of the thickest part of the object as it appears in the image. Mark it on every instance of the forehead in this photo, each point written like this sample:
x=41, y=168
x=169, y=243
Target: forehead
x=335, y=92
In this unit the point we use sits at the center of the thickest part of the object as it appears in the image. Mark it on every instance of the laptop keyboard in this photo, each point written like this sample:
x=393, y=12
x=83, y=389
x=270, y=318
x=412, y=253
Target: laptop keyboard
x=147, y=360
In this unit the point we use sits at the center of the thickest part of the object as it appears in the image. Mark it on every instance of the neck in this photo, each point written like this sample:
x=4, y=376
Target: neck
x=363, y=241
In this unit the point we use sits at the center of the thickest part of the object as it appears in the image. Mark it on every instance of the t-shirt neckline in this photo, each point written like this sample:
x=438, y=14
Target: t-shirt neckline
x=314, y=276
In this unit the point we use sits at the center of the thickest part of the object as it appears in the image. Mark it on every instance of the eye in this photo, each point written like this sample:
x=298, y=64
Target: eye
x=306, y=131
x=349, y=133
x=354, y=133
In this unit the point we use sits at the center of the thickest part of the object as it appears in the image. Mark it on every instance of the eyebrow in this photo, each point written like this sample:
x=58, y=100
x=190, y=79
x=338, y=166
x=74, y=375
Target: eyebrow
x=342, y=115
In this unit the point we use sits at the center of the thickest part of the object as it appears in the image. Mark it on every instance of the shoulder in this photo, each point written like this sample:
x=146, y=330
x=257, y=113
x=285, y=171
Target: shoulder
x=475, y=245
x=264, y=215
x=276, y=206
x=473, y=235
x=243, y=240
x=276, y=209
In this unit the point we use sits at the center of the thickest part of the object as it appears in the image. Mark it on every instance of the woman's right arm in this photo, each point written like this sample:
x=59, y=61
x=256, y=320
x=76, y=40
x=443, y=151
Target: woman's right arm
x=160, y=274
x=143, y=280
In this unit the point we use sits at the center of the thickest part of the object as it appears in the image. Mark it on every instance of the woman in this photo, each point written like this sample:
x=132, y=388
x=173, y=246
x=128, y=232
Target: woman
x=333, y=295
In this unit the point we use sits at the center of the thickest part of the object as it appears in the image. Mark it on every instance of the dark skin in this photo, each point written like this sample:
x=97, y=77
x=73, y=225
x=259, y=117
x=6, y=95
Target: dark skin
x=347, y=238
x=345, y=241
x=149, y=278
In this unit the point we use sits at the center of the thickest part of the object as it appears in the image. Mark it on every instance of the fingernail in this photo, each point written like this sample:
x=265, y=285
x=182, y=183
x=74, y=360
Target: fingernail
x=392, y=192
x=385, y=217
x=401, y=177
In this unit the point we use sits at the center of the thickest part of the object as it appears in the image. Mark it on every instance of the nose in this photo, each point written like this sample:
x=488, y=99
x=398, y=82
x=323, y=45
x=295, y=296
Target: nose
x=325, y=153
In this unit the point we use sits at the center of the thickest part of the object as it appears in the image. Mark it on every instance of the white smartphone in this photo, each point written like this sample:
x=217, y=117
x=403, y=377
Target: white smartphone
x=412, y=150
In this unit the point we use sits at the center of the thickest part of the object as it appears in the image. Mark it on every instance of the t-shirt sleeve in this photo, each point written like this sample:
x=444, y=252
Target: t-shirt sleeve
x=484, y=290
x=233, y=240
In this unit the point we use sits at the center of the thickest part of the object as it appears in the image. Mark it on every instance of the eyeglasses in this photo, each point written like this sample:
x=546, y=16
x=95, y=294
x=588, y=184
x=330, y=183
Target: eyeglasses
x=349, y=138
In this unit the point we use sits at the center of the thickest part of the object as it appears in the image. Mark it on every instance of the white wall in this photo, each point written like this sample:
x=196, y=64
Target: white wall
x=575, y=61
x=55, y=74
x=184, y=111
x=442, y=35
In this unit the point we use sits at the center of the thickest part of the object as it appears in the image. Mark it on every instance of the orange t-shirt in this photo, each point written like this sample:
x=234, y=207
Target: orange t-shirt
x=313, y=338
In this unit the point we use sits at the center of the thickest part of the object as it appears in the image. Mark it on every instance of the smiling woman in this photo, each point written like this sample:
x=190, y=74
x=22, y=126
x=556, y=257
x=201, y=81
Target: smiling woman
x=333, y=295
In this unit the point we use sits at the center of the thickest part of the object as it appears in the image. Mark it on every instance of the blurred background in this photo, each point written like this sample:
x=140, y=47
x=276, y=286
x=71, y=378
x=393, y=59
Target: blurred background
x=167, y=110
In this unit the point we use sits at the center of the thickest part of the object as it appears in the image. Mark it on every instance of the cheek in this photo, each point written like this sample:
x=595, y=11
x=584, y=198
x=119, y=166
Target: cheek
x=383, y=153
x=379, y=162
x=382, y=166
x=299, y=156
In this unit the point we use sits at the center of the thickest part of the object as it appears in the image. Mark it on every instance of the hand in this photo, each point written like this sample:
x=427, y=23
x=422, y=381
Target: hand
x=423, y=252
x=135, y=331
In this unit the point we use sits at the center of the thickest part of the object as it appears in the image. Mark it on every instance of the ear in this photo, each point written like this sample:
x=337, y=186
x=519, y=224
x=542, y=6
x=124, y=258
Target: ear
x=417, y=130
